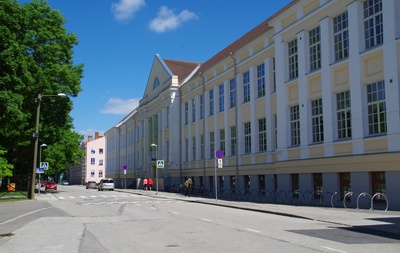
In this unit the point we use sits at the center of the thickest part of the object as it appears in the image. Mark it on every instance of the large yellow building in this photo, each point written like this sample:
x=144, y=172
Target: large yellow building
x=307, y=102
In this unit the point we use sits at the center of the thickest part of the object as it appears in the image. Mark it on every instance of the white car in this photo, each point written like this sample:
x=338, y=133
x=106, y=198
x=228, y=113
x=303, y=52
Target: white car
x=64, y=182
x=106, y=184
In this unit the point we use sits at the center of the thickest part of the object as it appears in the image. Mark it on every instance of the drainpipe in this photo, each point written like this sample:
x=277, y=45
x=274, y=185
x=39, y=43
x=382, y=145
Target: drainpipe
x=180, y=133
x=236, y=121
x=204, y=133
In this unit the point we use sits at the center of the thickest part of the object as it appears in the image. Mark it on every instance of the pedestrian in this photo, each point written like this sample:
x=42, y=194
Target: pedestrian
x=145, y=182
x=188, y=185
x=150, y=183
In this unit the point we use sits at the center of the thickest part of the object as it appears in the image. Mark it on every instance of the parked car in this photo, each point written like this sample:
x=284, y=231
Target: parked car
x=43, y=183
x=51, y=185
x=106, y=184
x=91, y=185
x=64, y=182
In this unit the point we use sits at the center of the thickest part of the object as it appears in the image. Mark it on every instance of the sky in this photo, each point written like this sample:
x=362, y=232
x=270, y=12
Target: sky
x=118, y=40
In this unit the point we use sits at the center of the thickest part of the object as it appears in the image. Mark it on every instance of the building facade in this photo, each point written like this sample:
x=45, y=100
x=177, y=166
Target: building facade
x=95, y=158
x=307, y=102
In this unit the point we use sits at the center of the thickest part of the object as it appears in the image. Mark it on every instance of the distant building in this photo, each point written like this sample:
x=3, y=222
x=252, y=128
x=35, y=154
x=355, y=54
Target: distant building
x=93, y=165
x=304, y=105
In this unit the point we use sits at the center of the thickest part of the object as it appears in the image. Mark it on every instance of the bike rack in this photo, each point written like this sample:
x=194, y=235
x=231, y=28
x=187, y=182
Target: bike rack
x=363, y=194
x=344, y=198
x=379, y=194
x=323, y=196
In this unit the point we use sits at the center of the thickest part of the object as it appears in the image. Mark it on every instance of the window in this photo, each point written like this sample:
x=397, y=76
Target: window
x=343, y=112
x=92, y=173
x=261, y=80
x=221, y=100
x=201, y=106
x=293, y=60
x=168, y=111
x=92, y=161
x=101, y=151
x=247, y=137
x=186, y=150
x=376, y=108
x=295, y=125
x=93, y=151
x=156, y=83
x=315, y=48
x=193, y=148
x=262, y=134
x=202, y=146
x=246, y=86
x=211, y=95
x=276, y=131
x=193, y=110
x=295, y=185
x=318, y=186
x=100, y=173
x=212, y=145
x=233, y=140
x=345, y=184
x=273, y=75
x=341, y=36
x=373, y=23
x=232, y=93
x=100, y=162
x=222, y=139
x=378, y=184
x=186, y=113
x=317, y=121
x=167, y=151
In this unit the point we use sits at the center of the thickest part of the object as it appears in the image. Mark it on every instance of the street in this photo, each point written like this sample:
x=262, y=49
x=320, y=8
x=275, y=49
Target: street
x=76, y=219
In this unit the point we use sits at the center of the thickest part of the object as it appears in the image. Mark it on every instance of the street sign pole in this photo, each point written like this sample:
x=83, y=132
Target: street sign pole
x=219, y=154
x=215, y=176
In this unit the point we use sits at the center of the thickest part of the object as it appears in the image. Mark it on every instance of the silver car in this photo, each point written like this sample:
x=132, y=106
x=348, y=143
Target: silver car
x=106, y=184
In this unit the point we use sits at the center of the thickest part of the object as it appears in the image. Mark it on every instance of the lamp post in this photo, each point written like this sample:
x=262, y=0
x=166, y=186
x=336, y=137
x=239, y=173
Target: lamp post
x=40, y=162
x=31, y=190
x=155, y=145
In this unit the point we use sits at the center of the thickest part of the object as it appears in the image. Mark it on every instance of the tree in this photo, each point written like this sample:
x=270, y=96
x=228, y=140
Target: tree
x=36, y=57
x=5, y=167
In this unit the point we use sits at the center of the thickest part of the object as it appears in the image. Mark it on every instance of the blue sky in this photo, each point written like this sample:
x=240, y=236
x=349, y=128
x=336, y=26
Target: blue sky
x=118, y=40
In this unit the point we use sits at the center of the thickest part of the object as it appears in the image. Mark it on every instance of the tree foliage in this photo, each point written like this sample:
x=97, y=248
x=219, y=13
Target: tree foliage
x=5, y=167
x=36, y=57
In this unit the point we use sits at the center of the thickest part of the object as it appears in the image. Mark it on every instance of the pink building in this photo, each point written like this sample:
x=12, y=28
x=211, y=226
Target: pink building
x=95, y=158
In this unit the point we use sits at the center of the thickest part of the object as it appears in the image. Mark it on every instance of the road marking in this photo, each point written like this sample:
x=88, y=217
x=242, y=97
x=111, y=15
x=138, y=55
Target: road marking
x=176, y=213
x=204, y=219
x=71, y=197
x=104, y=196
x=23, y=215
x=253, y=230
x=60, y=197
x=336, y=250
x=83, y=197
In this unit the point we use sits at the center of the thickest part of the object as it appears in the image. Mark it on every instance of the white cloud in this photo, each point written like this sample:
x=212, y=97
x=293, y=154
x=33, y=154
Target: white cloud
x=119, y=106
x=167, y=20
x=125, y=9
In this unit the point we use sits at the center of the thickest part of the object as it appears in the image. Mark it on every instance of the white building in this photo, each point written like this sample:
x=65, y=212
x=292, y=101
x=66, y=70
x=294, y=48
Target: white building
x=306, y=104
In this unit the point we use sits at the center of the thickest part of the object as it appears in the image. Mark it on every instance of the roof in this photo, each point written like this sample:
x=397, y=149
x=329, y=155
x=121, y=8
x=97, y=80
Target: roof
x=182, y=69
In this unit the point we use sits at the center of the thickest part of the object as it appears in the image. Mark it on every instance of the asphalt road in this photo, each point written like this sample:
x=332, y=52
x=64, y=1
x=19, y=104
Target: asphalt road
x=78, y=220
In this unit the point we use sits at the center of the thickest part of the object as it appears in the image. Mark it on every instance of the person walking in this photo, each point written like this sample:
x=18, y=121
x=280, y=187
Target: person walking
x=145, y=182
x=150, y=183
x=188, y=185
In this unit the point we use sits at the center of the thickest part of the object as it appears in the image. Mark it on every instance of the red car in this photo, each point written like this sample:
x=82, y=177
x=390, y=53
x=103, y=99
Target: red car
x=43, y=183
x=51, y=185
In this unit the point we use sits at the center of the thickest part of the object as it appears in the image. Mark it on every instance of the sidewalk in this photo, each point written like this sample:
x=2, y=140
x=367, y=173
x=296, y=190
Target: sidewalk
x=380, y=223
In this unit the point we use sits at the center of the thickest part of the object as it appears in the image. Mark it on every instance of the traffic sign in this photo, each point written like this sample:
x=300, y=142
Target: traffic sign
x=124, y=167
x=160, y=164
x=39, y=170
x=219, y=154
x=44, y=165
x=220, y=164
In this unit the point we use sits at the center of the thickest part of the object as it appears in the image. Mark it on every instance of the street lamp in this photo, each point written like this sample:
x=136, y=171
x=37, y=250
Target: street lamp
x=155, y=145
x=40, y=163
x=31, y=190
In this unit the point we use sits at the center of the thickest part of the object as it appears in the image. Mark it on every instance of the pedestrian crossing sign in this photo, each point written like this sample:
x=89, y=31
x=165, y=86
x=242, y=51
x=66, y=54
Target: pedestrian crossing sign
x=44, y=165
x=160, y=164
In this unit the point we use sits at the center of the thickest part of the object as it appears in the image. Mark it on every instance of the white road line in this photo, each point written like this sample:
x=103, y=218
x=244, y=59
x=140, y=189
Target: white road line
x=71, y=197
x=253, y=230
x=176, y=213
x=104, y=196
x=23, y=215
x=83, y=197
x=336, y=250
x=93, y=196
x=203, y=219
x=60, y=197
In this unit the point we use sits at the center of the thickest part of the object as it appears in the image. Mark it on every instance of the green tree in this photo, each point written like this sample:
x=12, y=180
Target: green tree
x=5, y=167
x=36, y=57
x=63, y=153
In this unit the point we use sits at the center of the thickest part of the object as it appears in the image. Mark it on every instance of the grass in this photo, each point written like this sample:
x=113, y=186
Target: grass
x=13, y=196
